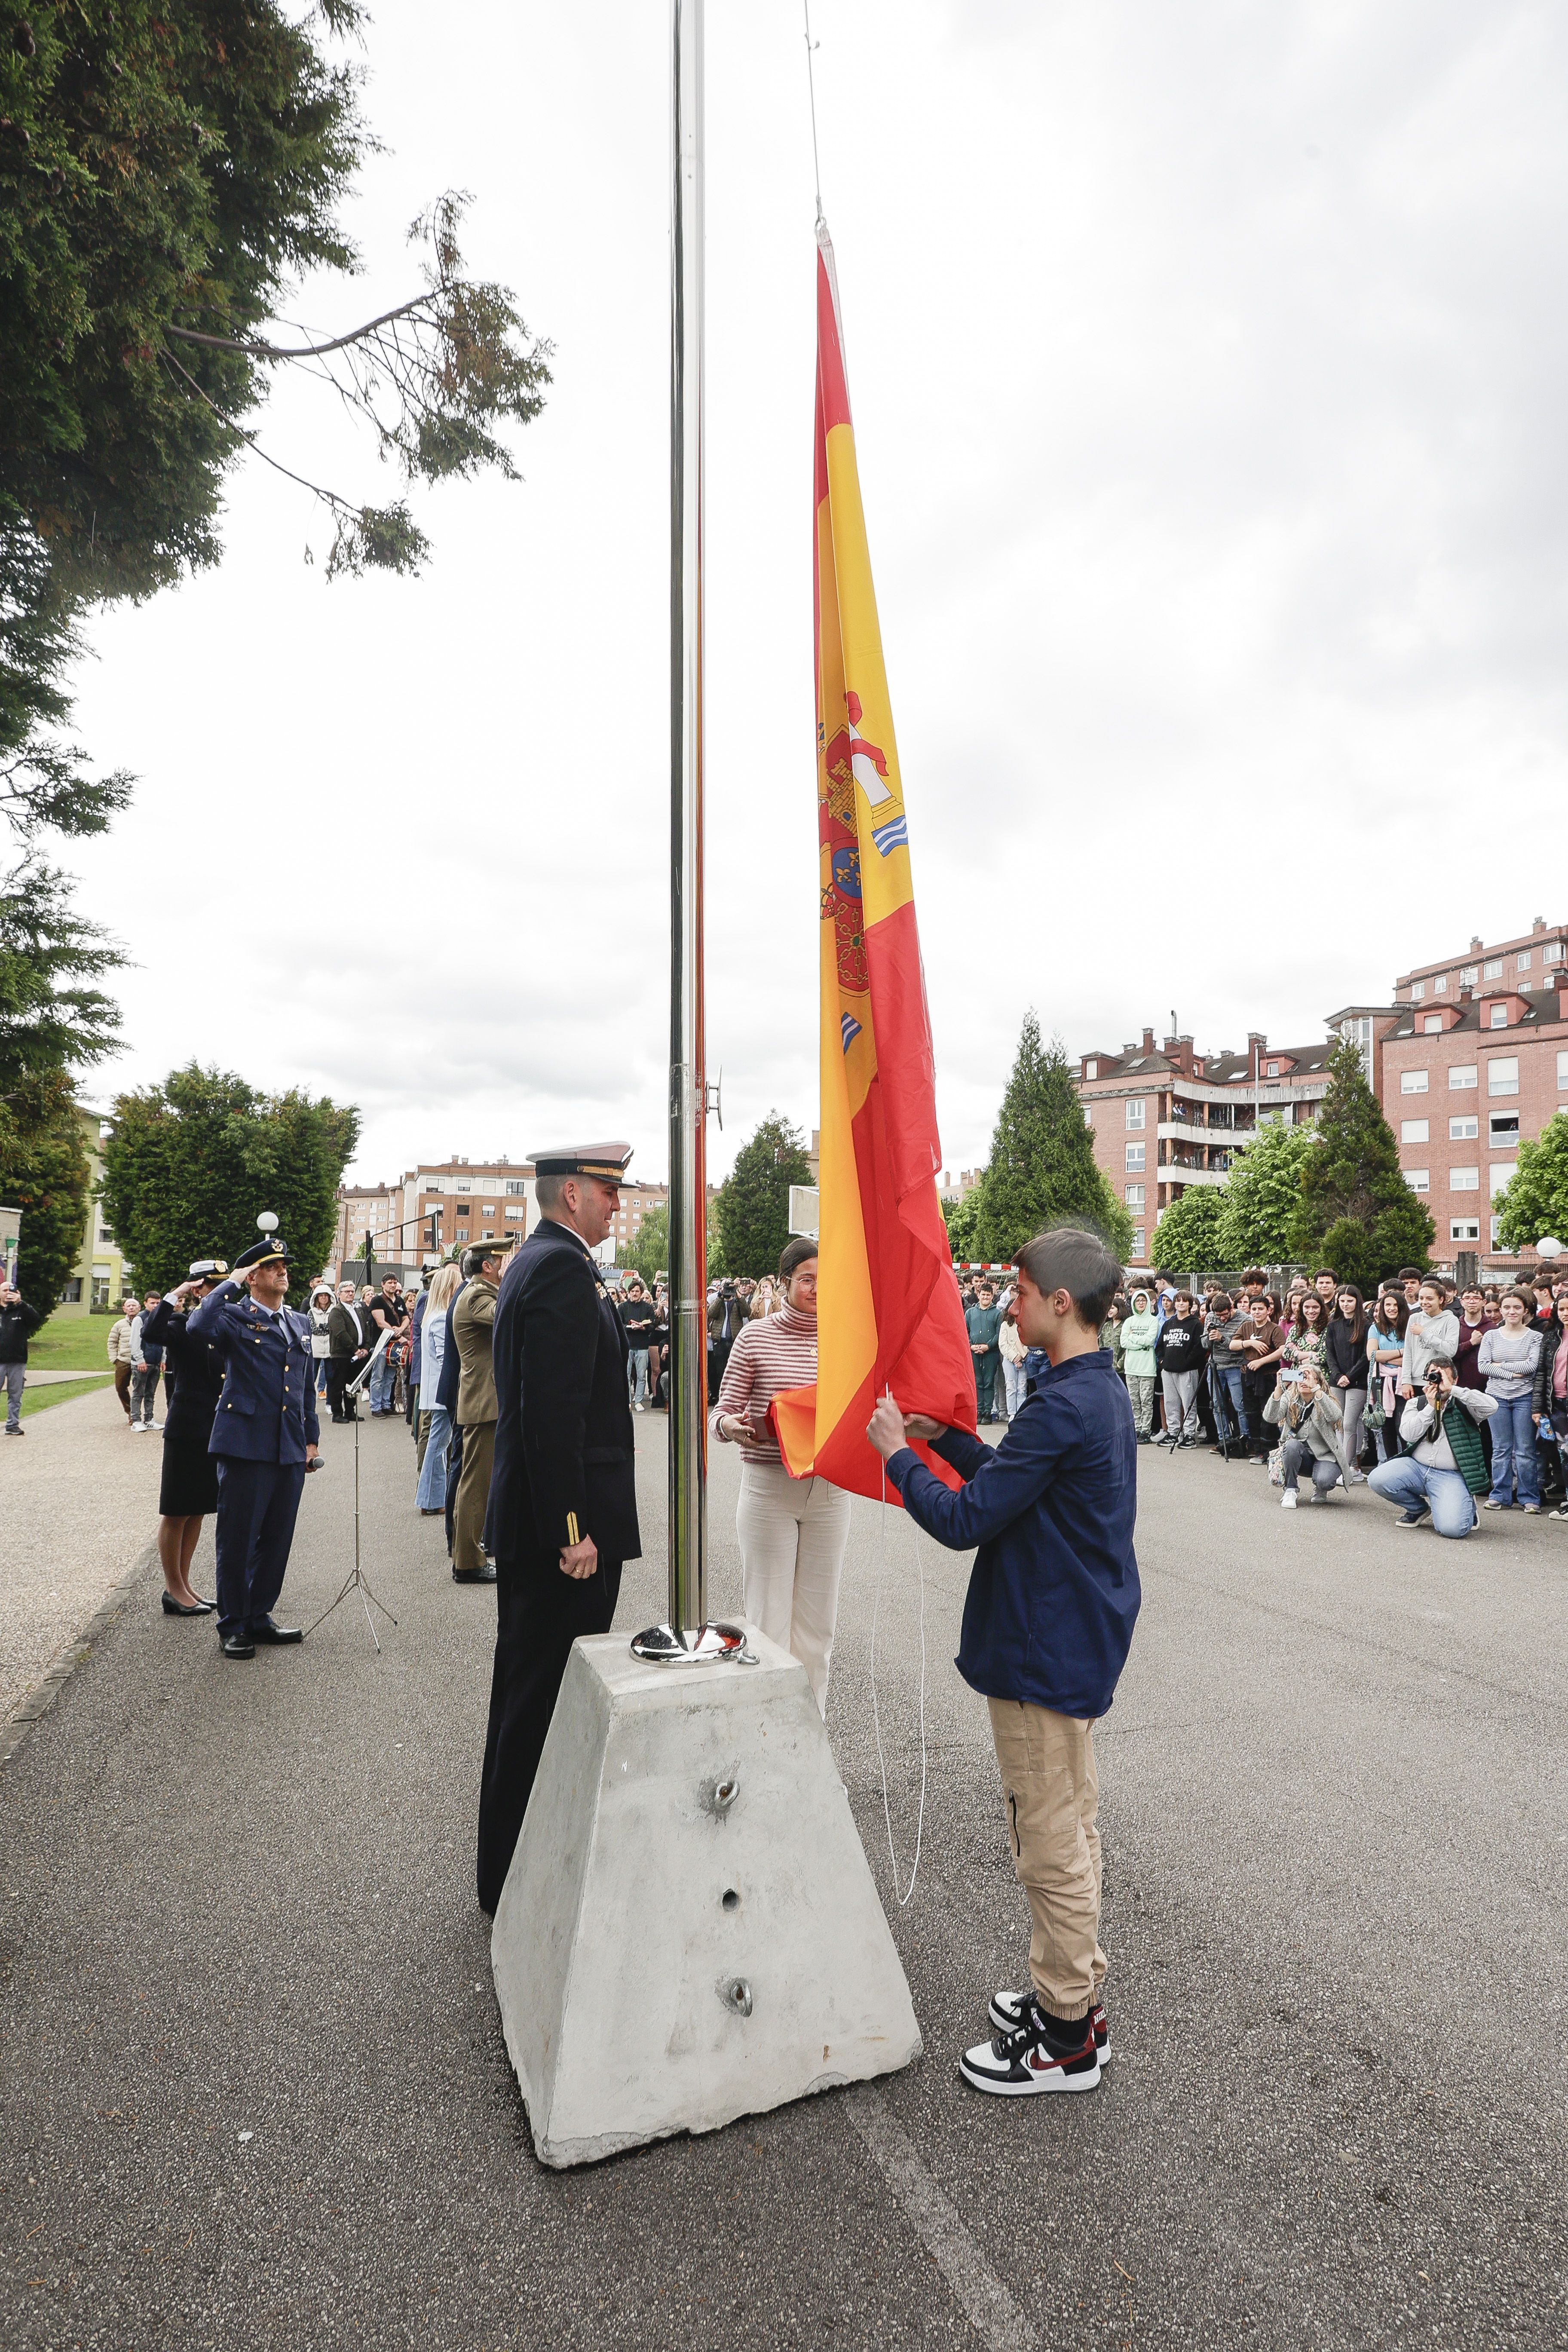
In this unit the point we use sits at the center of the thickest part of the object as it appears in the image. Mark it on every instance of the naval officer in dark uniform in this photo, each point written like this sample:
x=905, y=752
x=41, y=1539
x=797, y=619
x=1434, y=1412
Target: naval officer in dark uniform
x=563, y=1502
x=264, y=1435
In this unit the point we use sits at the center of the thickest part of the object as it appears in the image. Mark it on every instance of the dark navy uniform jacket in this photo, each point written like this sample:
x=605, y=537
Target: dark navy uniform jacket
x=198, y=1374
x=1054, y=1594
x=565, y=1466
x=268, y=1409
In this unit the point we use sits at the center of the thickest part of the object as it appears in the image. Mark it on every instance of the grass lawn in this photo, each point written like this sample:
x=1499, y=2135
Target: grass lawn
x=37, y=1399
x=71, y=1343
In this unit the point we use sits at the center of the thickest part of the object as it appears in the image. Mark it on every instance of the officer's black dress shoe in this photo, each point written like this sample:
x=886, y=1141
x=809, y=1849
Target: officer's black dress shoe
x=237, y=1645
x=273, y=1635
x=485, y=1575
x=198, y=1608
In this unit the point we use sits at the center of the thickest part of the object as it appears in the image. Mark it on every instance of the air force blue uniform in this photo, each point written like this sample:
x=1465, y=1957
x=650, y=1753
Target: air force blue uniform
x=266, y=1418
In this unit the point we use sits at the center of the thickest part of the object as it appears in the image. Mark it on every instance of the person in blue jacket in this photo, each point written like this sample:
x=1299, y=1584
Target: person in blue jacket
x=264, y=1433
x=1047, y=1624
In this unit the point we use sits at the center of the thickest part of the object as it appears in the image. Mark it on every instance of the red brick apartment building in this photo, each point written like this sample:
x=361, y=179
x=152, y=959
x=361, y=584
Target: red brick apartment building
x=1469, y=1060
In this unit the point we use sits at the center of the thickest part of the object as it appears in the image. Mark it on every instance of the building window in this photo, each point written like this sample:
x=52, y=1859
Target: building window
x=1502, y=1129
x=463, y=1185
x=1135, y=1112
x=1552, y=952
x=517, y=1214
x=105, y=1235
x=1411, y=1082
x=1501, y=1170
x=488, y=1235
x=1464, y=1180
x=1272, y=1071
x=1440, y=985
x=434, y=1184
x=517, y=1184
x=1138, y=1241
x=1418, y=1180
x=1469, y=975
x=1432, y=1026
x=1497, y=1222
x=1462, y=1074
x=71, y=1295
x=1135, y=1155
x=1414, y=1131
x=1134, y=1196
x=1562, y=1072
x=1464, y=1229
x=1464, y=1130
x=1091, y=1069
x=1418, y=990
x=1497, y=1017
x=100, y=1290
x=1524, y=961
x=1502, y=1074
x=1494, y=968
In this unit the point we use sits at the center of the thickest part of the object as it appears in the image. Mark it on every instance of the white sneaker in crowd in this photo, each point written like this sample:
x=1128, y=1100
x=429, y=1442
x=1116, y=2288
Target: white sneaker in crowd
x=1287, y=1499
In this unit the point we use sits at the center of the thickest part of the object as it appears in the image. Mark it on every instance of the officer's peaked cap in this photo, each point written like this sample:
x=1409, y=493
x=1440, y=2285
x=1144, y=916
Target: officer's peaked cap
x=274, y=1250
x=607, y=1160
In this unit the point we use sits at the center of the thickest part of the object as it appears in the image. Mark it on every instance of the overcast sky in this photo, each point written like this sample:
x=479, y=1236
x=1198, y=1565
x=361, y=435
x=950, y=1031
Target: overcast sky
x=1208, y=374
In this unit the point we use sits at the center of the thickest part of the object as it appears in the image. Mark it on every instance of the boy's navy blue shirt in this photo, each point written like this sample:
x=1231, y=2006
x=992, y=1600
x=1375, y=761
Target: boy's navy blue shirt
x=1054, y=1594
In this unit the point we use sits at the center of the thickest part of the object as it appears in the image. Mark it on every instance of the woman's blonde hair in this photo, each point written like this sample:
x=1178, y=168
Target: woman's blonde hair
x=443, y=1283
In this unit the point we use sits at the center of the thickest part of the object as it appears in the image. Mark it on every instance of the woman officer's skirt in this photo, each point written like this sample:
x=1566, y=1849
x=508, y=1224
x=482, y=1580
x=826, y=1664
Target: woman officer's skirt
x=188, y=1486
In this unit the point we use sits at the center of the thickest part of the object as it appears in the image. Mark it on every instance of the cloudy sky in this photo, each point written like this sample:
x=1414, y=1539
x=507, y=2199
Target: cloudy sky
x=1209, y=380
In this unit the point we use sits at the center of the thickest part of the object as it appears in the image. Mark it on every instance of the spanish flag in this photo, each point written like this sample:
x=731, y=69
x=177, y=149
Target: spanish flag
x=887, y=1309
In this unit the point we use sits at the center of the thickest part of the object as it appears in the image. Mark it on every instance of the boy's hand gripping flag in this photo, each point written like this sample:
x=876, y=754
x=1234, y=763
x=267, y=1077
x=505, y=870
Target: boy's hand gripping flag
x=887, y=1307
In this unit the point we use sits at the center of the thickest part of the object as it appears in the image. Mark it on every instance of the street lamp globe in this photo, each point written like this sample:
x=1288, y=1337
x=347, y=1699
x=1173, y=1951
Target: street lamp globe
x=267, y=1222
x=1548, y=1247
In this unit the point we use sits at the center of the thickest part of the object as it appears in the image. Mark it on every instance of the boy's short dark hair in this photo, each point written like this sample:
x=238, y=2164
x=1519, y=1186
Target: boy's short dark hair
x=1408, y=1274
x=1074, y=1259
x=1254, y=1274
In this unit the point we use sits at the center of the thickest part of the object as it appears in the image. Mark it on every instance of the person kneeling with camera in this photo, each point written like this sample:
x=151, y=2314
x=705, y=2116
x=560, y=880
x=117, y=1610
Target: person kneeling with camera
x=1441, y=1467
x=1311, y=1421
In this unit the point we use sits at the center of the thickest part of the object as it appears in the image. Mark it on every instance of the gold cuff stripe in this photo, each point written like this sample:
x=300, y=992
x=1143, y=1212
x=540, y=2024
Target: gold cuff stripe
x=571, y=1535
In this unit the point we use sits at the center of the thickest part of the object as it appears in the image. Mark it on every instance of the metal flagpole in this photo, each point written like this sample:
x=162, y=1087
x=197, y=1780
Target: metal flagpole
x=687, y=1633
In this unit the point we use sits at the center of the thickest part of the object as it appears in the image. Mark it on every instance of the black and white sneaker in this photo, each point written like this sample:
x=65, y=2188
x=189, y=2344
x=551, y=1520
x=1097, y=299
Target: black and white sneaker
x=1414, y=1515
x=1007, y=2014
x=1019, y=2064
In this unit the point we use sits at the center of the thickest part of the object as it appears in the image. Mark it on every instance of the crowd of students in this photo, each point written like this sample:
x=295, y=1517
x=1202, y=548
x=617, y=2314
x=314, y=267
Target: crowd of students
x=1420, y=1380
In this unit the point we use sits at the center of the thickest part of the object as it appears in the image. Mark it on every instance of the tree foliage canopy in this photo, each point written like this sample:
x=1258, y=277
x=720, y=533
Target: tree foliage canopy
x=1355, y=1212
x=192, y=1163
x=1042, y=1167
x=962, y=1219
x=754, y=1202
x=1187, y=1237
x=1535, y=1202
x=649, y=1250
x=1260, y=1196
x=51, y=1018
x=45, y=1173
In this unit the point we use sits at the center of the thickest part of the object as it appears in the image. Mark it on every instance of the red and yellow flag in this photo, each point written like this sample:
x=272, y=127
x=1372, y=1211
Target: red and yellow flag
x=887, y=1307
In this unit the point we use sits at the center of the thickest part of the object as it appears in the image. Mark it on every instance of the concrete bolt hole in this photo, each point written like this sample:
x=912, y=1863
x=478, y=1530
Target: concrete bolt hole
x=737, y=1995
x=730, y=1899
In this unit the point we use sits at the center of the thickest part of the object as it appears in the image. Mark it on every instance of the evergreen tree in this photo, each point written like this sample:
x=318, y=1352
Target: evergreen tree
x=1355, y=1212
x=1535, y=1203
x=1186, y=1239
x=50, y=1020
x=192, y=1163
x=45, y=1173
x=1042, y=1168
x=962, y=1219
x=1260, y=1196
x=753, y=1204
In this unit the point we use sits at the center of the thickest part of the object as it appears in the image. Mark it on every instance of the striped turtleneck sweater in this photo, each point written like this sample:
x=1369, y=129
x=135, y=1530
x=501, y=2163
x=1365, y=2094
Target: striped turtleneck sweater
x=777, y=1352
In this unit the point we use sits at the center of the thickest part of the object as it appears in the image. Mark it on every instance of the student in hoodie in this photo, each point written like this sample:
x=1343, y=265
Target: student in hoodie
x=1179, y=1354
x=1140, y=1334
x=1048, y=1622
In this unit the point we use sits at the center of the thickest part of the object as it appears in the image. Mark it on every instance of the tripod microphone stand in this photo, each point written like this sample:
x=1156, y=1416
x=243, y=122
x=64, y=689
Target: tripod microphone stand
x=357, y=1581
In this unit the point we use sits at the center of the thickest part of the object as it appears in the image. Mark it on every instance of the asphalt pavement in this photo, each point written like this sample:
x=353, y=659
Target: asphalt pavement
x=255, y=2093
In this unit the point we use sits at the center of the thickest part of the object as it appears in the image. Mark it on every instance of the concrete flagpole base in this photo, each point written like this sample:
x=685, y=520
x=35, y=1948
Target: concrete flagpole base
x=689, y=1930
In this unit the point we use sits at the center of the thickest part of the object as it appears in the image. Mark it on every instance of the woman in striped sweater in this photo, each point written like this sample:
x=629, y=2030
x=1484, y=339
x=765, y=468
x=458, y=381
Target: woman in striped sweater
x=792, y=1531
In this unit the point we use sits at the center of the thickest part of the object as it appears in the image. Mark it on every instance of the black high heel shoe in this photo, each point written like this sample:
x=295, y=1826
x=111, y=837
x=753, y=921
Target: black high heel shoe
x=200, y=1608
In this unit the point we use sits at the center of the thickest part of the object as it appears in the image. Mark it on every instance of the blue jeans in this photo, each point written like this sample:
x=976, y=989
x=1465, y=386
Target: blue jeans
x=381, y=1382
x=1513, y=1451
x=431, y=1491
x=1229, y=1392
x=1408, y=1482
x=637, y=1374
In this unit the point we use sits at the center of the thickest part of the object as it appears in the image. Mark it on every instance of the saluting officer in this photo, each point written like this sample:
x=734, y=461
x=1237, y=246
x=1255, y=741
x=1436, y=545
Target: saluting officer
x=264, y=1435
x=563, y=1503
